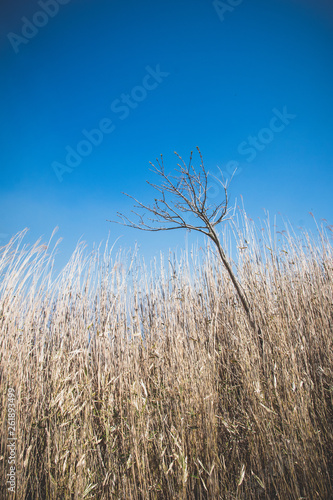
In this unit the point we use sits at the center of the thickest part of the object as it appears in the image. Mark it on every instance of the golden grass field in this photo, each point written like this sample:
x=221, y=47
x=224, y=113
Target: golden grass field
x=138, y=381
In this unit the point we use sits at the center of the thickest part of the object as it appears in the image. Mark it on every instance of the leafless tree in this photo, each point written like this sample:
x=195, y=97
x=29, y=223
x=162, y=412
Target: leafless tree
x=183, y=194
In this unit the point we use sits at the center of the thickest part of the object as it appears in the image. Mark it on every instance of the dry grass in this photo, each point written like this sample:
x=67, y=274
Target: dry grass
x=148, y=384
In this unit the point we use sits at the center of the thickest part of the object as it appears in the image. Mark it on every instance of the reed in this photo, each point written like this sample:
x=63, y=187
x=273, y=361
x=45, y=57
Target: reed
x=147, y=383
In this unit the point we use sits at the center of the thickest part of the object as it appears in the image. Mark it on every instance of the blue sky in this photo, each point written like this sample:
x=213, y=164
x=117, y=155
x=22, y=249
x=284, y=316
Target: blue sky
x=247, y=81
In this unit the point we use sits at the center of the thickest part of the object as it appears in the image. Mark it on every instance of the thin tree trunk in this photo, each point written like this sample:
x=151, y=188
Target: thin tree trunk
x=239, y=291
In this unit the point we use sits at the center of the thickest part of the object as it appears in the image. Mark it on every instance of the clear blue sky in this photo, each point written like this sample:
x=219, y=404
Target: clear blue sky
x=248, y=83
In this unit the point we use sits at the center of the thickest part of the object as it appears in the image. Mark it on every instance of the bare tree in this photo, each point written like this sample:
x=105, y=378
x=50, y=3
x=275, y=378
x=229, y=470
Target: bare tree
x=180, y=195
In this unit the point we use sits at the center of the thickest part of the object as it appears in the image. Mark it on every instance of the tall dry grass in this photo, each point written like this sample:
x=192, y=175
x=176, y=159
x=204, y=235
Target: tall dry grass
x=136, y=383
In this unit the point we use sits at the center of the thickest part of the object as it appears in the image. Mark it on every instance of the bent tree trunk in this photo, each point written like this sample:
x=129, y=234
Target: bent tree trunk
x=245, y=303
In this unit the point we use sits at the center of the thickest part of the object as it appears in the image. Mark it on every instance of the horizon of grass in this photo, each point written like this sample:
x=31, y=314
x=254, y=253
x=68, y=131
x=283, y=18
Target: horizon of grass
x=134, y=383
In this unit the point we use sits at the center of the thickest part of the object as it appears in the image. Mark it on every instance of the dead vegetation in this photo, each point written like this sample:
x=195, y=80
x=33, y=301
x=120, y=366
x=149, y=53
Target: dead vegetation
x=148, y=384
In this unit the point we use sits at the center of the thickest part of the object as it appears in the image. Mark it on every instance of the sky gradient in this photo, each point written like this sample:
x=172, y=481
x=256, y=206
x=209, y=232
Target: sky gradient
x=92, y=91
